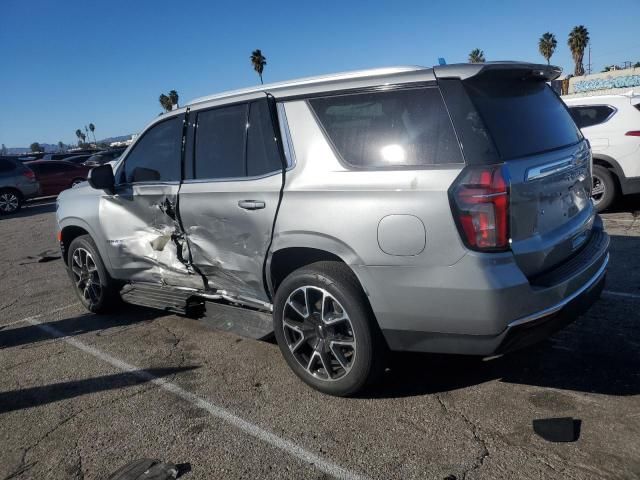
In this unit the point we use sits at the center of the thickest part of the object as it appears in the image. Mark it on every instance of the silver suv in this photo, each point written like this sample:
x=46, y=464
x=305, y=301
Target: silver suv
x=17, y=184
x=441, y=209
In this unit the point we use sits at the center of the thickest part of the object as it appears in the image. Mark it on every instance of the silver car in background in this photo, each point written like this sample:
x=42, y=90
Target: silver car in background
x=17, y=184
x=441, y=209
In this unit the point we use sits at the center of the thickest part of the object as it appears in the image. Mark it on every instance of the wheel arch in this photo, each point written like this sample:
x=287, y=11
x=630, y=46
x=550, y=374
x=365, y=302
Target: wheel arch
x=293, y=250
x=71, y=228
x=612, y=165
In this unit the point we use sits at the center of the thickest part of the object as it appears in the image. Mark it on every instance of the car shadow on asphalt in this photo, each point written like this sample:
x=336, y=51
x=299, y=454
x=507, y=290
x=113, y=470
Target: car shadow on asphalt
x=596, y=354
x=36, y=396
x=628, y=203
x=32, y=334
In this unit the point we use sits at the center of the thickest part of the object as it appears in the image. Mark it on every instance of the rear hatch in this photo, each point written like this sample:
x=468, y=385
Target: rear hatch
x=547, y=161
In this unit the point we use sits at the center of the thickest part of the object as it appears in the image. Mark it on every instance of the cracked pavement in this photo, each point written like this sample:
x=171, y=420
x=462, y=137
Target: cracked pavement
x=65, y=414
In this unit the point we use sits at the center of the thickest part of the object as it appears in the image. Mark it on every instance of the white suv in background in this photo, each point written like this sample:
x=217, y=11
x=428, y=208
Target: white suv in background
x=611, y=123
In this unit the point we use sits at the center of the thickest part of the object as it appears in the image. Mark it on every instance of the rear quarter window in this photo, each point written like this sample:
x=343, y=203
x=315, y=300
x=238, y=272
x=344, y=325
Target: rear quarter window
x=6, y=166
x=590, y=115
x=395, y=129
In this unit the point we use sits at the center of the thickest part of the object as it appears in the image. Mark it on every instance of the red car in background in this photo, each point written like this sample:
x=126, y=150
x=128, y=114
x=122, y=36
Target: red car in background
x=55, y=176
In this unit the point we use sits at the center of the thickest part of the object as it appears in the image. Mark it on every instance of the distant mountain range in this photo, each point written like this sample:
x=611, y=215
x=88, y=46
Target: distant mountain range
x=49, y=147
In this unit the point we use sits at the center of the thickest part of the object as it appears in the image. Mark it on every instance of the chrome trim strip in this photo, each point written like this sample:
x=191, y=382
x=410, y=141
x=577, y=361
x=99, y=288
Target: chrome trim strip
x=549, y=169
x=559, y=306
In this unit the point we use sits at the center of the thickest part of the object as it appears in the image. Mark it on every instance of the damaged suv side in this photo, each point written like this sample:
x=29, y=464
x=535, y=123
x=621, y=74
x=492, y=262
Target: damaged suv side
x=441, y=209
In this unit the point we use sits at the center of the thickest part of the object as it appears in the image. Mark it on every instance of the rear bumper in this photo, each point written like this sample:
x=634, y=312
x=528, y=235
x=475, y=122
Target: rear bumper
x=482, y=305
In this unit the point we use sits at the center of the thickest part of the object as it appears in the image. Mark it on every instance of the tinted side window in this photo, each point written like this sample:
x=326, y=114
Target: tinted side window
x=156, y=156
x=6, y=166
x=262, y=152
x=588, y=116
x=220, y=142
x=390, y=129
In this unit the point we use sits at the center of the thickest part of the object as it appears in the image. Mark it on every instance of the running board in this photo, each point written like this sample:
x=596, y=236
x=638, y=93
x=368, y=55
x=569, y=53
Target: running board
x=245, y=317
x=162, y=297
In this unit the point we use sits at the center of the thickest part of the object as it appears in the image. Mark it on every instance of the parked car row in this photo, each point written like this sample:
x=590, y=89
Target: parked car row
x=23, y=178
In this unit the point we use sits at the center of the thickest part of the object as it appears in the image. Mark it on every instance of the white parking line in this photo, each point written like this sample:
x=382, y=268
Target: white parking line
x=223, y=414
x=621, y=294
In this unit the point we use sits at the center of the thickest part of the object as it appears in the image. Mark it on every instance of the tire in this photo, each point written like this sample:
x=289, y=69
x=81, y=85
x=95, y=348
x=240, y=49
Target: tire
x=93, y=285
x=342, y=335
x=10, y=201
x=604, y=188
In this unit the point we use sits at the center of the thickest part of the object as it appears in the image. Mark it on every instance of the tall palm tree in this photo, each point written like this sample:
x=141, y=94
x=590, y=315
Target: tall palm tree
x=476, y=56
x=79, y=135
x=578, y=41
x=92, y=127
x=173, y=96
x=61, y=146
x=165, y=102
x=547, y=45
x=258, y=61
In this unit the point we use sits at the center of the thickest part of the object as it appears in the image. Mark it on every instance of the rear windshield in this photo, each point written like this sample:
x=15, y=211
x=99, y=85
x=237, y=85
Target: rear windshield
x=524, y=116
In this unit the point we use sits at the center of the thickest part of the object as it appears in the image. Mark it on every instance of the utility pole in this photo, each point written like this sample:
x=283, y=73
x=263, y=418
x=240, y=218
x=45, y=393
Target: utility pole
x=589, y=64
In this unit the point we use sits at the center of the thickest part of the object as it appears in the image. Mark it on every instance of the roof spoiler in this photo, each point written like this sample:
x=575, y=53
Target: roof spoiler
x=464, y=71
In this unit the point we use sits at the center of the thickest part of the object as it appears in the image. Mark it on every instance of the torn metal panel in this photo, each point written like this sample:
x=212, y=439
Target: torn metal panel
x=146, y=243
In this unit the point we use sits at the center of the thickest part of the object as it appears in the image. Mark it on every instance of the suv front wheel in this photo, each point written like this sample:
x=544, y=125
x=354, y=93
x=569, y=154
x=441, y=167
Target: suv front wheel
x=97, y=291
x=326, y=331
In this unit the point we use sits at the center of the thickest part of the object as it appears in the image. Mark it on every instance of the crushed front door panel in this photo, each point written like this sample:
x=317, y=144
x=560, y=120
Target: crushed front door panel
x=145, y=242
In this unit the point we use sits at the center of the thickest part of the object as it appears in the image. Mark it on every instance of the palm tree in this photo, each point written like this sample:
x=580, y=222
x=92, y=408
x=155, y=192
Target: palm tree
x=79, y=134
x=173, y=96
x=61, y=146
x=547, y=45
x=92, y=127
x=476, y=56
x=259, y=61
x=165, y=102
x=578, y=41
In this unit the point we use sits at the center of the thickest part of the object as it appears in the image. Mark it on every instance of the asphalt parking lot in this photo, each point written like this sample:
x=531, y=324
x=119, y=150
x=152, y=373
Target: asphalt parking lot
x=80, y=394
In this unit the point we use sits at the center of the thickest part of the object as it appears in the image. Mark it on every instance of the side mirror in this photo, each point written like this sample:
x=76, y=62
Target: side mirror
x=101, y=178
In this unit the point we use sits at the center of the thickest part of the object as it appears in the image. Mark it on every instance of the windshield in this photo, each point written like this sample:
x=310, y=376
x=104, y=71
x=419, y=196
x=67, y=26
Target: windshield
x=524, y=116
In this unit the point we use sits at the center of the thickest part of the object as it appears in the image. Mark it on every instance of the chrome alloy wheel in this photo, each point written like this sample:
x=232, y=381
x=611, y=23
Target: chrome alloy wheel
x=318, y=332
x=86, y=276
x=9, y=202
x=598, y=190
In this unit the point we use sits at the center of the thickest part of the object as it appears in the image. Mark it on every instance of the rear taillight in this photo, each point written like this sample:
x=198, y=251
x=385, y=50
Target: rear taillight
x=29, y=174
x=480, y=202
x=633, y=133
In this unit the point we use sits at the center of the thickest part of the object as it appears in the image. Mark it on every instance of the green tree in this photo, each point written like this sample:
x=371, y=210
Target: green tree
x=92, y=128
x=476, y=56
x=578, y=41
x=165, y=101
x=173, y=96
x=35, y=147
x=3, y=150
x=258, y=61
x=61, y=146
x=636, y=65
x=547, y=45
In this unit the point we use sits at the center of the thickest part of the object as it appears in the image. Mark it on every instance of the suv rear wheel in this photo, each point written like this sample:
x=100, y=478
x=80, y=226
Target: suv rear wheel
x=10, y=201
x=97, y=291
x=326, y=331
x=604, y=188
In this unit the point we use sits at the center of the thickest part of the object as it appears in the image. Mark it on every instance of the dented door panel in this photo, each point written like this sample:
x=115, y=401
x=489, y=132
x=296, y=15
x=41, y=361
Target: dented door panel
x=144, y=240
x=229, y=243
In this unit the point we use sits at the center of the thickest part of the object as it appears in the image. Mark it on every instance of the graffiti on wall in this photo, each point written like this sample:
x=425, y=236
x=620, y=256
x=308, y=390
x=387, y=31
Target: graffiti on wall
x=606, y=83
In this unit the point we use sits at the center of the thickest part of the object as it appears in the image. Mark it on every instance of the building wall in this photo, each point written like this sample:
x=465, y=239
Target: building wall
x=617, y=81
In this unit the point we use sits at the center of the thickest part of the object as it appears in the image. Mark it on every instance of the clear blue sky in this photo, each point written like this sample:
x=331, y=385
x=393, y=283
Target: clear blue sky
x=67, y=63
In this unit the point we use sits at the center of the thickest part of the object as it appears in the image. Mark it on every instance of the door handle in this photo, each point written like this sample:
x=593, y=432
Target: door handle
x=251, y=204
